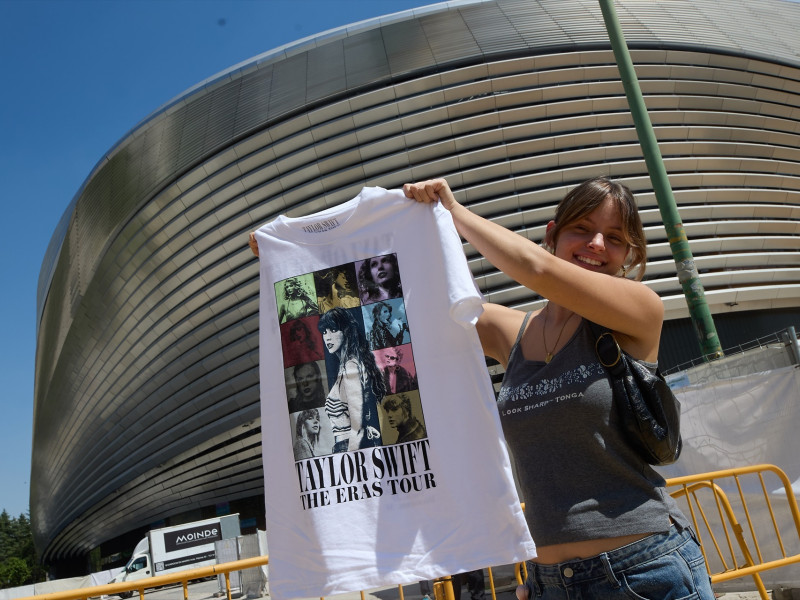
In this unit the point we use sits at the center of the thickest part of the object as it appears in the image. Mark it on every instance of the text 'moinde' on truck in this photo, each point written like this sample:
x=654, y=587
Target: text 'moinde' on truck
x=176, y=548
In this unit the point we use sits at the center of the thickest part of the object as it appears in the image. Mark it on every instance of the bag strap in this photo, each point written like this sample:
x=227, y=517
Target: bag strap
x=607, y=349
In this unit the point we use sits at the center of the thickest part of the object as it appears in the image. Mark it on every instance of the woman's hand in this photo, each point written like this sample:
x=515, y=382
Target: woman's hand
x=522, y=592
x=430, y=191
x=253, y=243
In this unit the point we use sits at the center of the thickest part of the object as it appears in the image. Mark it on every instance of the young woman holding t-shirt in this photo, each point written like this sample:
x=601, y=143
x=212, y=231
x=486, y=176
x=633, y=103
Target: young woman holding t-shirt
x=602, y=521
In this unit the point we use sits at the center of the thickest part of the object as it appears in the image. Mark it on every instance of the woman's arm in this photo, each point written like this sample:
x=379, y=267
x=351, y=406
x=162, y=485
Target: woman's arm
x=401, y=327
x=352, y=392
x=627, y=307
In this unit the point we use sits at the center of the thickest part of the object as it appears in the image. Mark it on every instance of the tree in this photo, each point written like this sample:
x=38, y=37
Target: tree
x=6, y=542
x=14, y=572
x=19, y=564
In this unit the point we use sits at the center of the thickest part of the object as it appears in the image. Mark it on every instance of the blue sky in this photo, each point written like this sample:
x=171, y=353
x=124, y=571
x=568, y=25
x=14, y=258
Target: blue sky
x=76, y=77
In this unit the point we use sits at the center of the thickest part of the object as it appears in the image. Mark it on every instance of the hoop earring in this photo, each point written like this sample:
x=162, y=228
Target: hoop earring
x=624, y=271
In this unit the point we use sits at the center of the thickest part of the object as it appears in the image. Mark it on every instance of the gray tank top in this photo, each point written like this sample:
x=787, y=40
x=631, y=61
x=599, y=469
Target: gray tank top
x=578, y=477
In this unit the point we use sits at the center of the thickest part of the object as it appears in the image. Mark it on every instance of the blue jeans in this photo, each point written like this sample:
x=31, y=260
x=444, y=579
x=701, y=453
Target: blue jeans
x=662, y=566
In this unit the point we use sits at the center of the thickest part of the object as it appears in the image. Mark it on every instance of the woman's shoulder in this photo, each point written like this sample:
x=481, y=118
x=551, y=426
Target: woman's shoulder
x=502, y=319
x=351, y=365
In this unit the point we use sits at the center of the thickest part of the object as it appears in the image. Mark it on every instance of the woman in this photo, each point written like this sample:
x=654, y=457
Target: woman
x=307, y=434
x=296, y=302
x=603, y=525
x=381, y=336
x=396, y=378
x=301, y=347
x=379, y=279
x=399, y=417
x=309, y=391
x=352, y=402
x=338, y=291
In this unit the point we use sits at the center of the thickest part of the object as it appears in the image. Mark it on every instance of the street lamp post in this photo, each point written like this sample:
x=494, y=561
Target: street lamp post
x=679, y=244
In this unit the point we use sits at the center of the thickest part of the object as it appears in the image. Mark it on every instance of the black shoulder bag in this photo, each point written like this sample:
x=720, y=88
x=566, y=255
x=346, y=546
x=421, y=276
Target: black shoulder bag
x=650, y=414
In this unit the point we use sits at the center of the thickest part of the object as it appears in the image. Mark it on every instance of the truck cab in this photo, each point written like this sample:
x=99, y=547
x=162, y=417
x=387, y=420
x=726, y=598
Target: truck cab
x=138, y=567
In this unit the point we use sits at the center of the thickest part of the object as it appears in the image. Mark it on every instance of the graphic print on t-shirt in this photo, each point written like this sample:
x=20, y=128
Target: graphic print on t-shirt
x=348, y=360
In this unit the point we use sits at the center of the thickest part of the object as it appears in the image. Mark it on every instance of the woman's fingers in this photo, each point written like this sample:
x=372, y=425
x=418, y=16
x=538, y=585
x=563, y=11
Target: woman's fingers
x=423, y=191
x=433, y=190
x=253, y=243
x=522, y=592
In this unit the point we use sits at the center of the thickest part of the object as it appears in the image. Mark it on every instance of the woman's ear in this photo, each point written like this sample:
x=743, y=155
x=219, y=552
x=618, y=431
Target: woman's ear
x=549, y=242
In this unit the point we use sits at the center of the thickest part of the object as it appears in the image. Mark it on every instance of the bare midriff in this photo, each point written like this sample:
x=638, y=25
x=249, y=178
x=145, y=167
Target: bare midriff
x=559, y=553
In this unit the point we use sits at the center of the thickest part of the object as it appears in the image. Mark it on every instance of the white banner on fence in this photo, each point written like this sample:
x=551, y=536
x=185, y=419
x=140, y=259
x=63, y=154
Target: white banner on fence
x=742, y=421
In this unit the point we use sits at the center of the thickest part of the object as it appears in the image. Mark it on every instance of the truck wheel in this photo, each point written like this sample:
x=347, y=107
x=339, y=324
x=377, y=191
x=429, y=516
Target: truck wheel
x=125, y=595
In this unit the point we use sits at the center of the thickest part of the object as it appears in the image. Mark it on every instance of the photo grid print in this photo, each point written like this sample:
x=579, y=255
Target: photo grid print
x=348, y=361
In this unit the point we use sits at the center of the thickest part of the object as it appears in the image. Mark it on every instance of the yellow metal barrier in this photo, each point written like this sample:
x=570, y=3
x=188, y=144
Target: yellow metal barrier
x=442, y=587
x=707, y=504
x=140, y=585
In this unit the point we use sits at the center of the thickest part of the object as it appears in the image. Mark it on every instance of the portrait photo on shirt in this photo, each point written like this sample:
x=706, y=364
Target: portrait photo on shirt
x=311, y=433
x=332, y=353
x=397, y=365
x=306, y=385
x=296, y=297
x=401, y=418
x=379, y=278
x=301, y=341
x=336, y=286
x=386, y=323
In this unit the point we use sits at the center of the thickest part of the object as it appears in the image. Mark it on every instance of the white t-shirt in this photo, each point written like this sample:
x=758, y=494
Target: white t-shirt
x=377, y=486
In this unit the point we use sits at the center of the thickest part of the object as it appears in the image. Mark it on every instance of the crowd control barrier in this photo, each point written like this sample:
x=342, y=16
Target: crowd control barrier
x=747, y=520
x=442, y=587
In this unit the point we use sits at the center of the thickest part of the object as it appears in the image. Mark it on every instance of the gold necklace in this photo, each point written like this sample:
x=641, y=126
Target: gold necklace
x=548, y=356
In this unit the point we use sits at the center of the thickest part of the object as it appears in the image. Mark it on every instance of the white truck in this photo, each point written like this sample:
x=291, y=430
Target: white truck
x=177, y=548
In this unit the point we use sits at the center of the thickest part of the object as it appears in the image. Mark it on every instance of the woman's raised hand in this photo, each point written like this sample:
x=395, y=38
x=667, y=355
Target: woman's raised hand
x=251, y=241
x=430, y=191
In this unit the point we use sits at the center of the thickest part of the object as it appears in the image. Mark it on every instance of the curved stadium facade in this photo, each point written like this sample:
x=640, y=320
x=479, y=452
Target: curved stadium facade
x=146, y=394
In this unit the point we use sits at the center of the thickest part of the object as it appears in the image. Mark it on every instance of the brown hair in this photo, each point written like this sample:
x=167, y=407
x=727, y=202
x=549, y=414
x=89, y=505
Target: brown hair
x=400, y=401
x=586, y=197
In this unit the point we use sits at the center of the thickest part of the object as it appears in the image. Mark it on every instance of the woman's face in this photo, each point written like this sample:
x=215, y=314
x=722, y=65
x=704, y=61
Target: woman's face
x=596, y=242
x=306, y=379
x=298, y=334
x=292, y=288
x=384, y=313
x=391, y=360
x=381, y=269
x=333, y=339
x=341, y=281
x=395, y=416
x=311, y=425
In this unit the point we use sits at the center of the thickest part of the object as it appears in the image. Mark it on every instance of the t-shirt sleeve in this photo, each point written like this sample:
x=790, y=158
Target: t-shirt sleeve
x=466, y=300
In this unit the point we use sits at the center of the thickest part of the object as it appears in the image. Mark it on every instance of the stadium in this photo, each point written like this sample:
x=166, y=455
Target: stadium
x=146, y=407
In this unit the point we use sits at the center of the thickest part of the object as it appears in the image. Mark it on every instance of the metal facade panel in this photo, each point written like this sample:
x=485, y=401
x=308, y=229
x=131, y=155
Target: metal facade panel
x=326, y=70
x=365, y=59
